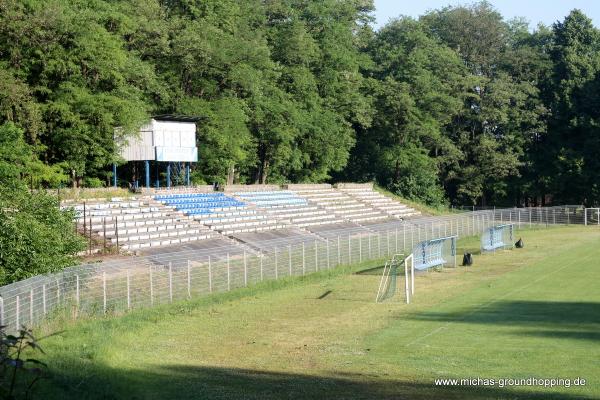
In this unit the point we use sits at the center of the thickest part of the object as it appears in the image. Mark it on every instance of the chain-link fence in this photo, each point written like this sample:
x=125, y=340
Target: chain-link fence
x=124, y=284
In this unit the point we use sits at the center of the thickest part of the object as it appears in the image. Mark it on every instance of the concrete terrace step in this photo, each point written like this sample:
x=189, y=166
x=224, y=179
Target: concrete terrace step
x=254, y=229
x=140, y=223
x=158, y=235
x=140, y=244
x=151, y=229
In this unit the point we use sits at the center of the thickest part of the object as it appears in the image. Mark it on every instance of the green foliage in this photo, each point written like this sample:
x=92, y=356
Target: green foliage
x=36, y=237
x=18, y=374
x=297, y=91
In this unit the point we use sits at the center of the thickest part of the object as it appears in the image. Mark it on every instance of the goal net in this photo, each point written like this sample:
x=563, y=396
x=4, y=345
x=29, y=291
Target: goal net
x=497, y=237
x=388, y=283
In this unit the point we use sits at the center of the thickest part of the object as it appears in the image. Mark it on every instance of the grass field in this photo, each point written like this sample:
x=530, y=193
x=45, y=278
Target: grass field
x=532, y=312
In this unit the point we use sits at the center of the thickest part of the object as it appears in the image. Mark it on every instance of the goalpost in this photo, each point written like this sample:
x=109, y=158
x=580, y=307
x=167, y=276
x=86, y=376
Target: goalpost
x=388, y=282
x=497, y=237
x=425, y=255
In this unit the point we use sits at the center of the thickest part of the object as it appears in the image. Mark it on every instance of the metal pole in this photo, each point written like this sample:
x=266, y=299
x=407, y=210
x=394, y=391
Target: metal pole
x=189, y=279
x=1, y=311
x=245, y=270
x=316, y=257
x=339, y=250
x=170, y=282
x=104, y=233
x=31, y=306
x=114, y=175
x=290, y=259
x=128, y=290
x=327, y=253
x=17, y=312
x=151, y=288
x=43, y=299
x=77, y=290
x=147, y=165
x=303, y=260
x=349, y=251
x=360, y=248
x=261, y=267
x=209, y=275
x=228, y=273
x=104, y=291
x=276, y=273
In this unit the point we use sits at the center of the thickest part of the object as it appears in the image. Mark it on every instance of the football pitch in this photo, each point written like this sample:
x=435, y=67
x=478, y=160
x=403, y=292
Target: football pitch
x=514, y=316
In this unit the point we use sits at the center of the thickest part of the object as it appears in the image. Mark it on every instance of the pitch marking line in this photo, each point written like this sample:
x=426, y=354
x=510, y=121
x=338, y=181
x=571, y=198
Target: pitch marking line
x=433, y=332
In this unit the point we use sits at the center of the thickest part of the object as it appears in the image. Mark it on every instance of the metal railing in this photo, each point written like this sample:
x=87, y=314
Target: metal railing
x=119, y=285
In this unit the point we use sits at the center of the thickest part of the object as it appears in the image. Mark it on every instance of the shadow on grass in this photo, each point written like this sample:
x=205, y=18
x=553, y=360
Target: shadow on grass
x=193, y=382
x=567, y=320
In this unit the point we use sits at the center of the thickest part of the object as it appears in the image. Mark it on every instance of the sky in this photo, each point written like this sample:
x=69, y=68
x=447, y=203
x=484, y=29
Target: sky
x=545, y=11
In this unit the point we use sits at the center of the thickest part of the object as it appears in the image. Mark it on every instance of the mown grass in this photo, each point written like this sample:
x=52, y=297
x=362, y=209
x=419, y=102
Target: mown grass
x=520, y=313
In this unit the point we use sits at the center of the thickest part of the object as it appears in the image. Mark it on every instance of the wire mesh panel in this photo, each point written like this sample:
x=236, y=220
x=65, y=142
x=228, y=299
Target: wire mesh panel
x=435, y=253
x=497, y=237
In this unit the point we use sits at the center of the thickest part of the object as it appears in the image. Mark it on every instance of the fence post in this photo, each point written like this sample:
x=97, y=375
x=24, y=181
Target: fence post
x=316, y=256
x=303, y=260
x=43, y=299
x=370, y=256
x=261, y=266
x=396, y=246
x=245, y=270
x=360, y=248
x=387, y=240
x=228, y=273
x=104, y=291
x=189, y=280
x=339, y=250
x=17, y=312
x=349, y=251
x=170, y=282
x=151, y=287
x=31, y=306
x=104, y=234
x=379, y=245
x=77, y=291
x=128, y=290
x=90, y=238
x=290, y=259
x=327, y=253
x=209, y=275
x=529, y=217
x=276, y=272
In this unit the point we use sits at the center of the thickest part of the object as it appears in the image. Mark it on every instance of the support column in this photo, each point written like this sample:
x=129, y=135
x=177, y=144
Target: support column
x=187, y=174
x=147, y=165
x=168, y=175
x=114, y=175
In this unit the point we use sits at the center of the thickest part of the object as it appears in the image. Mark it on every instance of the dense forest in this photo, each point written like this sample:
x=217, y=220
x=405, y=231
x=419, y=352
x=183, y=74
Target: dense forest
x=459, y=105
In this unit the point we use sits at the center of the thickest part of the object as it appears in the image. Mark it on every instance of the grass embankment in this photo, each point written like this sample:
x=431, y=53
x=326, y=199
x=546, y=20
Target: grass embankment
x=423, y=208
x=529, y=312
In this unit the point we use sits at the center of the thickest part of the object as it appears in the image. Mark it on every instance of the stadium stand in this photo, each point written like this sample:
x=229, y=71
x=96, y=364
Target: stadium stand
x=338, y=203
x=364, y=193
x=288, y=207
x=135, y=224
x=220, y=212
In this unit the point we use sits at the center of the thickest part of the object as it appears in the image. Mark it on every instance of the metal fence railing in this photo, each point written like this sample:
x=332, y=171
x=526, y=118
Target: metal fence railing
x=134, y=282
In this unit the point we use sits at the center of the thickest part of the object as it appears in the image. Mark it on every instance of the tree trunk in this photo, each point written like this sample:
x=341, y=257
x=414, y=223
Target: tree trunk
x=231, y=174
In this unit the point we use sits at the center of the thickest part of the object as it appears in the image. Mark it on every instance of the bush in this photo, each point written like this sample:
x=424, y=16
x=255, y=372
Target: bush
x=93, y=183
x=36, y=237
